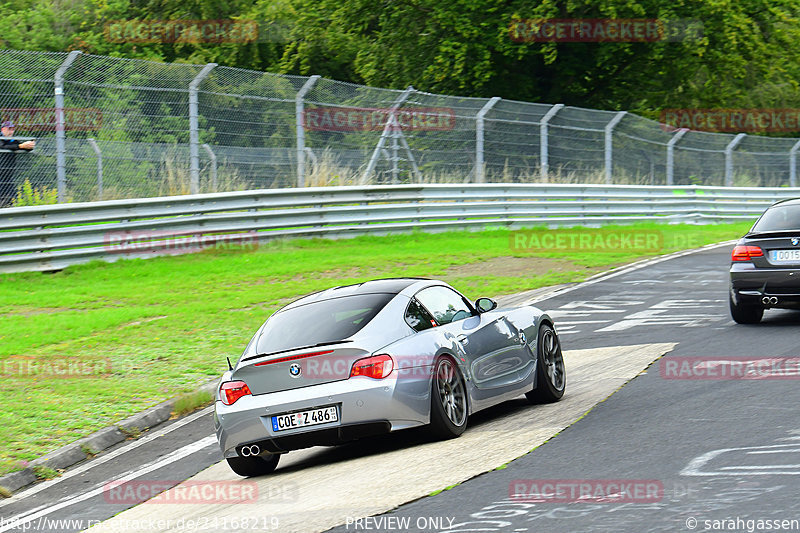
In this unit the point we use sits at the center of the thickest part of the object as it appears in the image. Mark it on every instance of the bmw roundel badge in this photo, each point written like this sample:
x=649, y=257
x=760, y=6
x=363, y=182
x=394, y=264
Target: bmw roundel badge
x=294, y=370
x=795, y=241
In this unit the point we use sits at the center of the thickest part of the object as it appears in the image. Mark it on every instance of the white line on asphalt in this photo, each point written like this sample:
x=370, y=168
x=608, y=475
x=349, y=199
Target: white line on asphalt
x=562, y=323
x=630, y=268
x=791, y=450
x=107, y=457
x=17, y=521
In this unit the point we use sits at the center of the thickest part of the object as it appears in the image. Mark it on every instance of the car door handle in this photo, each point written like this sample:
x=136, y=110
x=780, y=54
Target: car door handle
x=463, y=339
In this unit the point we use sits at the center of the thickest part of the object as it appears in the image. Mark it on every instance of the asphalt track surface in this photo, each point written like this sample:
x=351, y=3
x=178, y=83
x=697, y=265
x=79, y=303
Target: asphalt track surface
x=723, y=451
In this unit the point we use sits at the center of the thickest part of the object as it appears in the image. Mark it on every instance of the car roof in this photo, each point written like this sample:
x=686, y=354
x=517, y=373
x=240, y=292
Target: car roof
x=787, y=201
x=375, y=286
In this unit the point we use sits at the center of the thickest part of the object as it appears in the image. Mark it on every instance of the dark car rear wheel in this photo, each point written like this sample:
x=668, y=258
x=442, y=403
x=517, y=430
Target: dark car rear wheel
x=448, y=400
x=551, y=375
x=745, y=314
x=254, y=466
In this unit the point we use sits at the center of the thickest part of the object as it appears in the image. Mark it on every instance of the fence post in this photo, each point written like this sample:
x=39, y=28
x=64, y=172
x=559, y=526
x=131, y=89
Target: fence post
x=480, y=171
x=194, y=133
x=61, y=150
x=390, y=124
x=671, y=154
x=213, y=157
x=729, y=158
x=543, y=140
x=793, y=164
x=610, y=143
x=300, y=127
x=99, y=156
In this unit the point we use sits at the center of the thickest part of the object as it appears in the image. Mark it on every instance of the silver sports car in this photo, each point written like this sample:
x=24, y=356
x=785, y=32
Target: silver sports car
x=361, y=360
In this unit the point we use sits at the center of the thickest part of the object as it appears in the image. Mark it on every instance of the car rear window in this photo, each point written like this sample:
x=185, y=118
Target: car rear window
x=320, y=322
x=779, y=218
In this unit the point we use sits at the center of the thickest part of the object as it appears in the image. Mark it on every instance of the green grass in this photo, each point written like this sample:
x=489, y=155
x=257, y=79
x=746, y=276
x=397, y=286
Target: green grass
x=191, y=401
x=44, y=473
x=142, y=331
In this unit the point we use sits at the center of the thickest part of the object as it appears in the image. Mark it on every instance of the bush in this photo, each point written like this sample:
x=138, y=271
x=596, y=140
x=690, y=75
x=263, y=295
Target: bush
x=27, y=194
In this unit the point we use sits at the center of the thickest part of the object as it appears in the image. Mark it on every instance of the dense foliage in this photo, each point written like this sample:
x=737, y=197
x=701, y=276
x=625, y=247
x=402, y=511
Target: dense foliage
x=746, y=56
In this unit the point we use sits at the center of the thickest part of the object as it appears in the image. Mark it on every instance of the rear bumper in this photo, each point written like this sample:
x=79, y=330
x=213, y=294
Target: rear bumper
x=366, y=407
x=751, y=285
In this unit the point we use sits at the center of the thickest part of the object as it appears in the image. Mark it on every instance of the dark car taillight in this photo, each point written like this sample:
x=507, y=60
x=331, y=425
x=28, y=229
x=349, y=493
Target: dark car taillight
x=746, y=253
x=230, y=391
x=377, y=367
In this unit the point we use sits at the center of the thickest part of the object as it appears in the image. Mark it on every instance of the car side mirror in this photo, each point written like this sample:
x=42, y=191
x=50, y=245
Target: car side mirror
x=484, y=305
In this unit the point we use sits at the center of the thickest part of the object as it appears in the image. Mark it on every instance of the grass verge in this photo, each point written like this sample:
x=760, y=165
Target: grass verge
x=95, y=343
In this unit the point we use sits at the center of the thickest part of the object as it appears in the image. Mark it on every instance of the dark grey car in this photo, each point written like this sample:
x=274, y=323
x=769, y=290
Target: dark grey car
x=377, y=357
x=765, y=264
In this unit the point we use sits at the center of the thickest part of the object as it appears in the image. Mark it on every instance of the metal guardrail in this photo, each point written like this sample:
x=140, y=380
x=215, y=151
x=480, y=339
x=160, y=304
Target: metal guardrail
x=53, y=237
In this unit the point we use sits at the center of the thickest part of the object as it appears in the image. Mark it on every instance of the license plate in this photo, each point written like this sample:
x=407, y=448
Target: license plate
x=312, y=417
x=784, y=256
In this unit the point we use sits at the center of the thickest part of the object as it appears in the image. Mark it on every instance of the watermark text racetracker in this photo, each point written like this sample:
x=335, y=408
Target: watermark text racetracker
x=137, y=491
x=174, y=242
x=784, y=120
x=587, y=240
x=604, y=30
x=601, y=240
x=37, y=119
x=342, y=119
x=586, y=490
x=181, y=31
x=17, y=366
x=722, y=368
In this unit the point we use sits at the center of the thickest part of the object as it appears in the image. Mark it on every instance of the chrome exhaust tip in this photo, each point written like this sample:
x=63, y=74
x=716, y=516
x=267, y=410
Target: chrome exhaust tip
x=773, y=300
x=247, y=451
x=765, y=300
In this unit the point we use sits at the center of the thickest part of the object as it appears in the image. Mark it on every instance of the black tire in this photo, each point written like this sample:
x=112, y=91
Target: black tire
x=745, y=314
x=448, y=400
x=551, y=375
x=254, y=466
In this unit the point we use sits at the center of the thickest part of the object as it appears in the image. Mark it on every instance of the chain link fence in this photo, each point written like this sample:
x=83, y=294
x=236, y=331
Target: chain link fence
x=109, y=128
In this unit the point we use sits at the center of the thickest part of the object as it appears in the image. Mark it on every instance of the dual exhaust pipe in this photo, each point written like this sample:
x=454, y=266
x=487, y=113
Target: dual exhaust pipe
x=247, y=451
x=769, y=300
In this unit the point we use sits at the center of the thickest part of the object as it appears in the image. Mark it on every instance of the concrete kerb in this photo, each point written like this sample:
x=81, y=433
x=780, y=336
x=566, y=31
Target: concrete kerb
x=85, y=448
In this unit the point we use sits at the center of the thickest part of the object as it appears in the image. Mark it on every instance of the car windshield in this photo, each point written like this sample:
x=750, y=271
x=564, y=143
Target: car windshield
x=324, y=321
x=779, y=218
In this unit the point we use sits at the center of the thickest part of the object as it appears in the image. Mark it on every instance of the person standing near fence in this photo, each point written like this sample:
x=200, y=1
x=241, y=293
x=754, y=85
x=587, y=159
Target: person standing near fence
x=8, y=147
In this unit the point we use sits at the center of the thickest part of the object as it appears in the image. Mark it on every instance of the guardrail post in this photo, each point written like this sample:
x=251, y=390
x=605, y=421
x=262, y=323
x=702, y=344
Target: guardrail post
x=99, y=156
x=61, y=150
x=194, y=133
x=545, y=164
x=729, y=158
x=671, y=154
x=609, y=131
x=480, y=170
x=213, y=157
x=299, y=121
x=793, y=164
x=390, y=124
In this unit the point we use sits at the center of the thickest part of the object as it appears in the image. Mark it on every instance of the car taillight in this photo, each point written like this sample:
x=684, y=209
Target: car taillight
x=746, y=253
x=230, y=391
x=377, y=366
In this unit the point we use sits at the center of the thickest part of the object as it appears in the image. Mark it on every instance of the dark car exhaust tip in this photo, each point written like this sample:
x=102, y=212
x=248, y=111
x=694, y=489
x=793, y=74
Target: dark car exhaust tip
x=769, y=300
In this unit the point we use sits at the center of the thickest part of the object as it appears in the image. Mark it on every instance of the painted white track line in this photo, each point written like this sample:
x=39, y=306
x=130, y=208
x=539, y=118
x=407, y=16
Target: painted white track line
x=625, y=270
x=107, y=457
x=25, y=518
